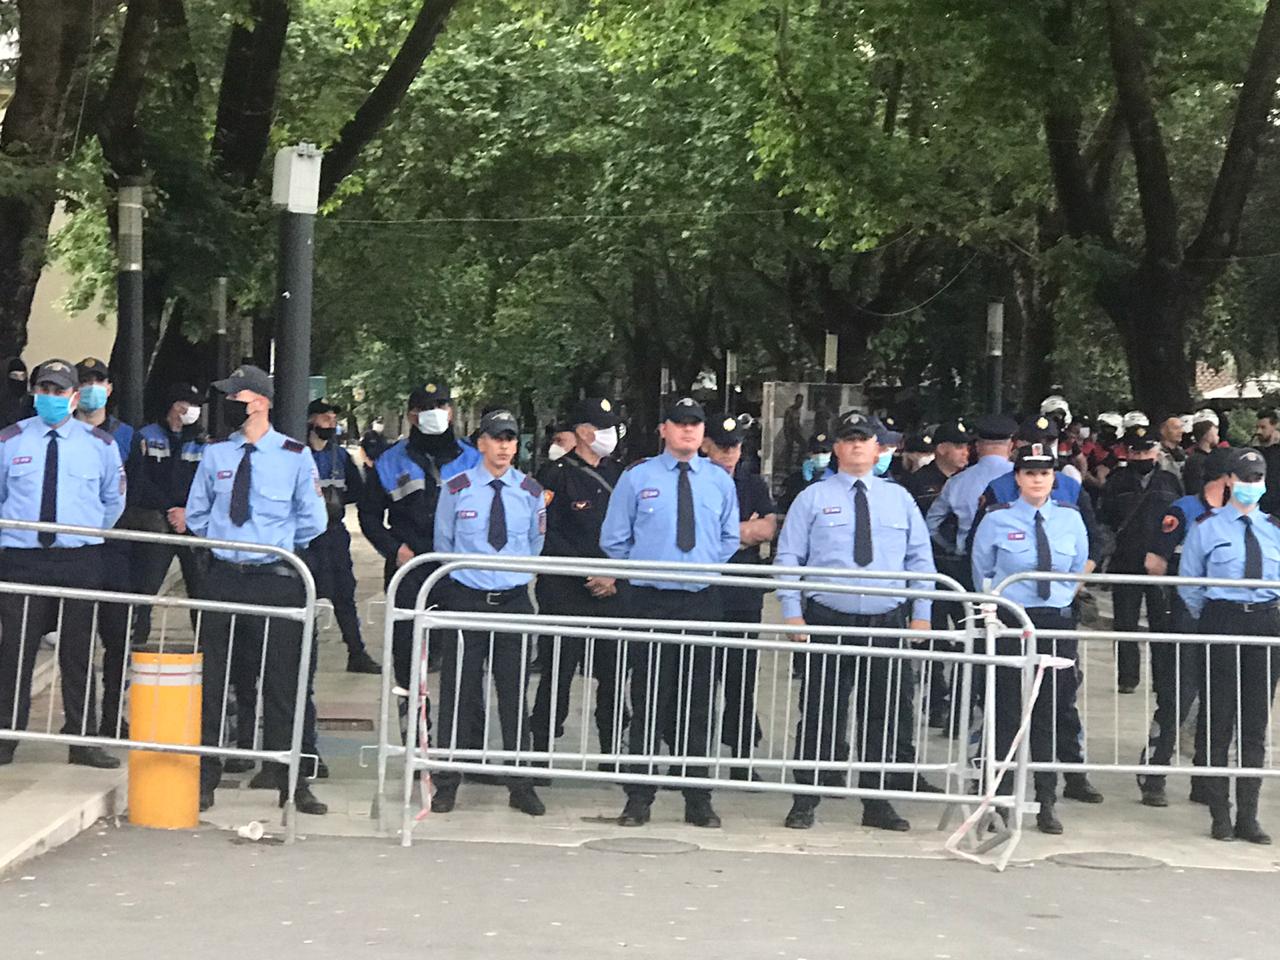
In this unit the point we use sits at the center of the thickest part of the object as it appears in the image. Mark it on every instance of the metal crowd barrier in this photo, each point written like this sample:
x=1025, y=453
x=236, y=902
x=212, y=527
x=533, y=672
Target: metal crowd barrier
x=907, y=677
x=123, y=617
x=1121, y=733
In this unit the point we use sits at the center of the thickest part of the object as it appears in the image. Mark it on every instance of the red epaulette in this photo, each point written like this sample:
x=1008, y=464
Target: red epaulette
x=102, y=435
x=293, y=446
x=531, y=486
x=9, y=432
x=459, y=483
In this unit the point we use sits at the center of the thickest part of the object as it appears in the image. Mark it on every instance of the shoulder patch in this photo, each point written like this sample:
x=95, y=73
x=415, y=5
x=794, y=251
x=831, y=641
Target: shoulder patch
x=1067, y=506
x=1273, y=519
x=531, y=486
x=458, y=483
x=998, y=506
x=102, y=435
x=9, y=432
x=293, y=446
x=636, y=464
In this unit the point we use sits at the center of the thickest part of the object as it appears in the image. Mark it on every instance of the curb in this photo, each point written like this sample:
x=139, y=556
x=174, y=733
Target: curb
x=79, y=814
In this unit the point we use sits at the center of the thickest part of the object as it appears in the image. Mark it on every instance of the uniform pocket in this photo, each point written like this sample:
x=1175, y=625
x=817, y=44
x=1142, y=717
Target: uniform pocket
x=275, y=501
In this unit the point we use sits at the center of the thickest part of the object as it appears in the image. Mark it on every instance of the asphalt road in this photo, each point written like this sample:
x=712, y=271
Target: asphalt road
x=128, y=893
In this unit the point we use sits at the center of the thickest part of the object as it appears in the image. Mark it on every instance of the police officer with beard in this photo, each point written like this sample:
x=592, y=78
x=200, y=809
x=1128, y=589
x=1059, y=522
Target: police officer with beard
x=577, y=486
x=398, y=511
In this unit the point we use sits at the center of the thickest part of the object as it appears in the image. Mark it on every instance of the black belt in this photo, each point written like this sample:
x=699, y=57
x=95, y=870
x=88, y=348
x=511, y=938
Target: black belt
x=1245, y=607
x=277, y=568
x=888, y=618
x=494, y=598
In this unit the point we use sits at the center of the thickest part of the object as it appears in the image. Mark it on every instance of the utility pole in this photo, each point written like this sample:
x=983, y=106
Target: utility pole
x=129, y=381
x=995, y=354
x=295, y=191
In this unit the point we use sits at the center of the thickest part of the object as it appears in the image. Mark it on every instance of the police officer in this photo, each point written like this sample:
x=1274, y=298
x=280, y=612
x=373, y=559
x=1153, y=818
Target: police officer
x=163, y=465
x=398, y=512
x=55, y=468
x=329, y=555
x=257, y=486
x=951, y=516
x=917, y=453
x=676, y=507
x=113, y=618
x=857, y=520
x=1237, y=541
x=577, y=487
x=811, y=471
x=1178, y=671
x=739, y=728
x=950, y=456
x=495, y=510
x=1035, y=532
x=1136, y=492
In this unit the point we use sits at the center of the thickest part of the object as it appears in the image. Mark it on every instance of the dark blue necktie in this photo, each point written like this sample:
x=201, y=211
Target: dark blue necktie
x=240, y=488
x=497, y=517
x=1252, y=552
x=863, y=552
x=49, y=490
x=1044, y=559
x=686, y=529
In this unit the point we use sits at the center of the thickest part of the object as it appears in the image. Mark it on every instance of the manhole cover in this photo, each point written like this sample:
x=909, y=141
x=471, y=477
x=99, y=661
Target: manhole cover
x=651, y=846
x=1092, y=860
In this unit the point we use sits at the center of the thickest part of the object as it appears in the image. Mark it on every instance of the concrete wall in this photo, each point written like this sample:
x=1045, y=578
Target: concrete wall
x=52, y=331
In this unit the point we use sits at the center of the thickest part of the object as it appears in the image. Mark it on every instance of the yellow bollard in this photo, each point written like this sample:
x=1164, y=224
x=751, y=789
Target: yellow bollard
x=164, y=707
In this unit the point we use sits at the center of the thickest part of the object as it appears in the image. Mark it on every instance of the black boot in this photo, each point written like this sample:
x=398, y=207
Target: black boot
x=698, y=811
x=361, y=662
x=1047, y=820
x=1153, y=792
x=306, y=801
x=444, y=799
x=7, y=750
x=1247, y=826
x=1221, y=827
x=92, y=757
x=635, y=813
x=1078, y=787
x=801, y=815
x=881, y=815
x=525, y=799
x=237, y=765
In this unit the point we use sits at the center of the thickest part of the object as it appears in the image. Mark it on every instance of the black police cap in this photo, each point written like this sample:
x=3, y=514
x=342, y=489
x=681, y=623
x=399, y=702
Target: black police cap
x=952, y=431
x=91, y=368
x=855, y=424
x=596, y=411
x=246, y=377
x=1139, y=438
x=686, y=410
x=499, y=423
x=57, y=372
x=995, y=426
x=1248, y=464
x=820, y=443
x=1039, y=429
x=1034, y=456
x=183, y=392
x=320, y=405
x=724, y=431
x=919, y=443
x=433, y=392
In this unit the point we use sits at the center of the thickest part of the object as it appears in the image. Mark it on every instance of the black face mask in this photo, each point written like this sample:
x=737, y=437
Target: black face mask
x=1142, y=467
x=234, y=413
x=324, y=433
x=17, y=388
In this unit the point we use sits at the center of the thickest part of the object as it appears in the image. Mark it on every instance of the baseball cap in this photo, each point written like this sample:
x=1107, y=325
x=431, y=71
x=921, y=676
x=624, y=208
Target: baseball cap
x=499, y=423
x=183, y=391
x=57, y=372
x=91, y=368
x=952, y=431
x=854, y=424
x=724, y=431
x=1034, y=456
x=996, y=426
x=322, y=406
x=686, y=409
x=246, y=377
x=596, y=411
x=433, y=392
x=1248, y=464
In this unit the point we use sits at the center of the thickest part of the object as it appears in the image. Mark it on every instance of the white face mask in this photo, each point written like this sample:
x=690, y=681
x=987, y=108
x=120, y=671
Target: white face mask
x=820, y=460
x=191, y=416
x=433, y=422
x=605, y=443
x=1085, y=433
x=555, y=452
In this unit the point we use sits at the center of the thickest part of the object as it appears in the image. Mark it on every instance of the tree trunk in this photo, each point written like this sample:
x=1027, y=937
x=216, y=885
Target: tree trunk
x=1152, y=309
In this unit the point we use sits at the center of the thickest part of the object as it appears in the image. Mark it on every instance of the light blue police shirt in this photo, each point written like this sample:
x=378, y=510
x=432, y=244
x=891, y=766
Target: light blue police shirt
x=640, y=523
x=91, y=480
x=285, y=506
x=462, y=523
x=1215, y=548
x=1005, y=544
x=819, y=532
x=960, y=495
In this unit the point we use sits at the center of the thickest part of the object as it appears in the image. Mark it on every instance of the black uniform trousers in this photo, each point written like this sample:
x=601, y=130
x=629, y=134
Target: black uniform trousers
x=567, y=596
x=24, y=620
x=272, y=584
x=830, y=681
x=1242, y=686
x=402, y=630
x=1178, y=675
x=1056, y=732
x=461, y=719
x=329, y=557
x=672, y=689
x=151, y=562
x=740, y=725
x=114, y=629
x=1127, y=599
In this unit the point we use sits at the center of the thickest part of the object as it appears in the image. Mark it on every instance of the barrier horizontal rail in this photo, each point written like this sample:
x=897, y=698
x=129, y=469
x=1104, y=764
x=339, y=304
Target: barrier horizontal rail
x=117, y=620
x=1139, y=728
x=899, y=663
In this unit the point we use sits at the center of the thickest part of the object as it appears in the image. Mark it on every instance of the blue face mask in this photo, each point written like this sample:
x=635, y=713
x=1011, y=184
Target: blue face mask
x=883, y=463
x=93, y=396
x=52, y=409
x=1247, y=494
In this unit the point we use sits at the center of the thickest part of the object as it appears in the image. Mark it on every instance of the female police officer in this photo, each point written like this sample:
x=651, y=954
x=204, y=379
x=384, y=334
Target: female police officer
x=1035, y=532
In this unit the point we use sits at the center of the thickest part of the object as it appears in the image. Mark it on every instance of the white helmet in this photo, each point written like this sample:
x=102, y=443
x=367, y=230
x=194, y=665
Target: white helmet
x=1187, y=421
x=1057, y=404
x=1205, y=416
x=1135, y=418
x=1112, y=420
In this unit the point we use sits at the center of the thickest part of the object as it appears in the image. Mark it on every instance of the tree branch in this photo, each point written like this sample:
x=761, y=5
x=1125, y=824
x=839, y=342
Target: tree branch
x=118, y=112
x=247, y=98
x=1155, y=190
x=372, y=116
x=1220, y=232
